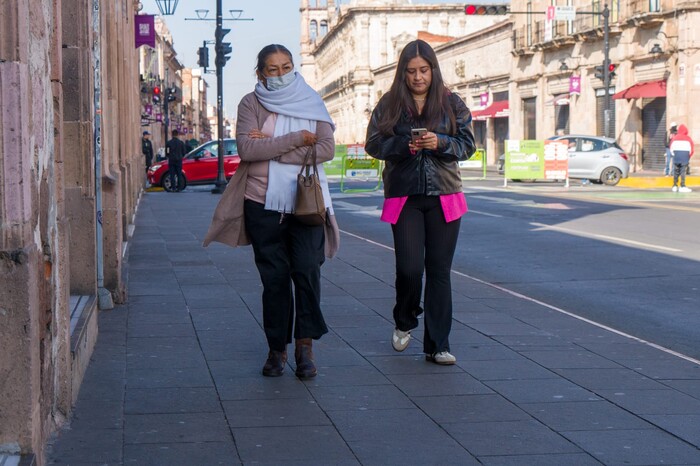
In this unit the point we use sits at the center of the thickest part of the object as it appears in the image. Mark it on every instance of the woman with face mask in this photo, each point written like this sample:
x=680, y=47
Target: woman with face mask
x=281, y=121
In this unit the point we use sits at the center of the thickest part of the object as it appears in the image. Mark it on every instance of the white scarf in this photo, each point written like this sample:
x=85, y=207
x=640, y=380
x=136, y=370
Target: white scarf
x=298, y=107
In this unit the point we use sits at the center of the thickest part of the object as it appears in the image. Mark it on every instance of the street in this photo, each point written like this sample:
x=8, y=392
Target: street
x=628, y=260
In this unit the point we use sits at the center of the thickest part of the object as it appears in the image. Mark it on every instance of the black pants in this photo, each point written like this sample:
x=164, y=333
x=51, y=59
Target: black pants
x=287, y=252
x=423, y=240
x=175, y=172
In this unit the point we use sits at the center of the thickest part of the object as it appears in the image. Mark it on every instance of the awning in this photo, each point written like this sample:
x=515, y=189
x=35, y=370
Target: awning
x=561, y=99
x=495, y=110
x=648, y=89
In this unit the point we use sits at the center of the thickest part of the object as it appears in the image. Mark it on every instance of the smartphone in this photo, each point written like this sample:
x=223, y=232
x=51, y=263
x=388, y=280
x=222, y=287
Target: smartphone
x=416, y=133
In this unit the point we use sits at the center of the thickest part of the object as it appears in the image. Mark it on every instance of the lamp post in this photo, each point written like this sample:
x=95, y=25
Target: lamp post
x=606, y=70
x=223, y=49
x=167, y=7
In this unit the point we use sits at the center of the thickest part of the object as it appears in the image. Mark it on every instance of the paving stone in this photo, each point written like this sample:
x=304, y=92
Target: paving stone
x=635, y=447
x=665, y=401
x=245, y=365
x=509, y=369
x=584, y=415
x=97, y=414
x=346, y=376
x=541, y=390
x=577, y=459
x=577, y=359
x=609, y=379
x=455, y=383
x=182, y=454
x=151, y=330
x=275, y=412
x=169, y=377
x=170, y=428
x=490, y=351
x=158, y=359
x=379, y=437
x=689, y=387
x=88, y=445
x=470, y=408
x=306, y=444
x=171, y=400
x=685, y=426
x=360, y=397
x=677, y=368
x=525, y=437
x=261, y=388
x=409, y=362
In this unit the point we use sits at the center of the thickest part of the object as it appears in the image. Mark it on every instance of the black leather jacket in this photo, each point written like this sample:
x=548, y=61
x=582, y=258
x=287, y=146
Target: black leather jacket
x=429, y=172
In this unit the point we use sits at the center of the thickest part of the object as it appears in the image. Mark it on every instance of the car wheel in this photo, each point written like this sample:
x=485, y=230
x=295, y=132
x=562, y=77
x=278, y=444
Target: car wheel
x=611, y=176
x=167, y=183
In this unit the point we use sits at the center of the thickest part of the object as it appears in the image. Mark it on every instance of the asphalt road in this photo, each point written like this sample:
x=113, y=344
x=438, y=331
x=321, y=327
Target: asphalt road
x=628, y=260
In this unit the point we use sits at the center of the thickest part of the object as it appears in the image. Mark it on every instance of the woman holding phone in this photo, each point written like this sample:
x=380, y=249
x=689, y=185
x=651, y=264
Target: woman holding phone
x=421, y=130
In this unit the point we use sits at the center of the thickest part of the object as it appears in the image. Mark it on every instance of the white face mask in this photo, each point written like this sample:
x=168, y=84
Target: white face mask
x=275, y=83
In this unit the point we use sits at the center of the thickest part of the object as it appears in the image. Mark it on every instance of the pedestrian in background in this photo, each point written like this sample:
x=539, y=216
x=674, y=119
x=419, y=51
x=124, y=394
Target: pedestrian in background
x=424, y=201
x=278, y=125
x=682, y=149
x=669, y=157
x=175, y=150
x=147, y=149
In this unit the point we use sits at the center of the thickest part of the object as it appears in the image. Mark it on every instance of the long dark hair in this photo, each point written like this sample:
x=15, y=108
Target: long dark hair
x=269, y=50
x=399, y=99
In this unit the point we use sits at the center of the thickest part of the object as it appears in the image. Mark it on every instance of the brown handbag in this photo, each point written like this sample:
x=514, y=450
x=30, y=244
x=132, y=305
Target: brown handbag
x=309, y=207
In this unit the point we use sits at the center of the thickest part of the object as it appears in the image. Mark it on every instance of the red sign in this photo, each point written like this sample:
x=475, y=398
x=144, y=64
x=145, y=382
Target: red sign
x=556, y=159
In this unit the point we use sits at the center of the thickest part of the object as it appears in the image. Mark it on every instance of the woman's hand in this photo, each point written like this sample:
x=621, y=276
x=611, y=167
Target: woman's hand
x=256, y=134
x=427, y=141
x=309, y=138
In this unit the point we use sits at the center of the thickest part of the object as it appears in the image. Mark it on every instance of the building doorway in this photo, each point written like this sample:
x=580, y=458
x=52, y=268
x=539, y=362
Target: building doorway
x=653, y=133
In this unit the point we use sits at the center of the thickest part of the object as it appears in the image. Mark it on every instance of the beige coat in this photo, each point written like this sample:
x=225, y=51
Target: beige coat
x=228, y=223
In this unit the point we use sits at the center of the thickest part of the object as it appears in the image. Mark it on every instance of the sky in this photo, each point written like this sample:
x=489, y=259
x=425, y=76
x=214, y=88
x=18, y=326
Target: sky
x=274, y=21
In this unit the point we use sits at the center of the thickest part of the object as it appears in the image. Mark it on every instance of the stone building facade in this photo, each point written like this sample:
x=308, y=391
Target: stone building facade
x=342, y=45
x=522, y=77
x=666, y=78
x=70, y=176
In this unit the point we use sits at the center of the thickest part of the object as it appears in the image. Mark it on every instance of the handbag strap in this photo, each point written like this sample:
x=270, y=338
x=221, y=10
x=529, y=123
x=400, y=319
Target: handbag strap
x=306, y=165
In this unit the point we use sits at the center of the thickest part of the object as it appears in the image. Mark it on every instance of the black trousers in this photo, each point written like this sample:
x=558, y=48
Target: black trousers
x=423, y=240
x=287, y=252
x=175, y=172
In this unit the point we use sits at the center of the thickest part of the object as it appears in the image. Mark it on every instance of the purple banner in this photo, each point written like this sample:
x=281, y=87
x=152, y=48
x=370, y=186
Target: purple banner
x=484, y=99
x=148, y=109
x=575, y=85
x=144, y=30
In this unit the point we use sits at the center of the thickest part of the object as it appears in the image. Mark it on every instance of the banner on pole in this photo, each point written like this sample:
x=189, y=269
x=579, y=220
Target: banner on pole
x=144, y=31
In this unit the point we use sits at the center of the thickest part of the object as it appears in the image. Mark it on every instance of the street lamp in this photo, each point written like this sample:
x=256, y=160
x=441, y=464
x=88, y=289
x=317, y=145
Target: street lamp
x=201, y=13
x=167, y=7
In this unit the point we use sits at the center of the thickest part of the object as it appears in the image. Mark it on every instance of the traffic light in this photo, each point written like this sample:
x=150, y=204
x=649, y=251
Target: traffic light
x=600, y=72
x=478, y=10
x=222, y=48
x=203, y=53
x=611, y=71
x=156, y=94
x=172, y=94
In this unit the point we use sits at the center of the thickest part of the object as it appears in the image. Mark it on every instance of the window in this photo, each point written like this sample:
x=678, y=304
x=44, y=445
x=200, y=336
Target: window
x=530, y=117
x=591, y=145
x=313, y=30
x=324, y=28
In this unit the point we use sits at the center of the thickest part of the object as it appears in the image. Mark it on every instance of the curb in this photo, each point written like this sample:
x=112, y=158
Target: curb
x=656, y=181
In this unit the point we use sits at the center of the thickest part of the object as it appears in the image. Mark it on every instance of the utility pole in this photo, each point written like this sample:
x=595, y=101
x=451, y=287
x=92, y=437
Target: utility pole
x=222, y=48
x=606, y=70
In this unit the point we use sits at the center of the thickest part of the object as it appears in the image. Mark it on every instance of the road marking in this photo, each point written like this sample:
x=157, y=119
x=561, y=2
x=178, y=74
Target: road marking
x=470, y=211
x=549, y=306
x=614, y=239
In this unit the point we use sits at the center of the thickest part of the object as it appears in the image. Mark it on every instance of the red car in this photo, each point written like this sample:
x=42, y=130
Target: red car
x=200, y=166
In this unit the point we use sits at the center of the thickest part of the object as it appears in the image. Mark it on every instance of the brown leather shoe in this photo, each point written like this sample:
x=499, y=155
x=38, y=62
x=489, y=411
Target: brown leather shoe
x=274, y=366
x=304, y=356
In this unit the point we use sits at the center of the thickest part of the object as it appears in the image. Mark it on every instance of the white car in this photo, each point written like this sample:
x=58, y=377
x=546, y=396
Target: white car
x=596, y=158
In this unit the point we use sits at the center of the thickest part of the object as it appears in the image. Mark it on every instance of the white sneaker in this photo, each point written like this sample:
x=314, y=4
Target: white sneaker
x=400, y=339
x=683, y=189
x=674, y=189
x=443, y=358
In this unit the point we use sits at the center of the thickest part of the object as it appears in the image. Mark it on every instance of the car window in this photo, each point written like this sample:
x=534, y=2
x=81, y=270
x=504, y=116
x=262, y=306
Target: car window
x=208, y=150
x=231, y=147
x=591, y=145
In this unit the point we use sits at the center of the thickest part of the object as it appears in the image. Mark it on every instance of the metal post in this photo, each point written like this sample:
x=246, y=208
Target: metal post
x=220, y=178
x=606, y=70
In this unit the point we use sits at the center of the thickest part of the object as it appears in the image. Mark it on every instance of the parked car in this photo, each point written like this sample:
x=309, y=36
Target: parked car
x=199, y=166
x=593, y=158
x=596, y=158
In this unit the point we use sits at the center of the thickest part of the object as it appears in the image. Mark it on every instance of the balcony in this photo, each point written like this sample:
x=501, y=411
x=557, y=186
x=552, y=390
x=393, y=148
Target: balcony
x=644, y=13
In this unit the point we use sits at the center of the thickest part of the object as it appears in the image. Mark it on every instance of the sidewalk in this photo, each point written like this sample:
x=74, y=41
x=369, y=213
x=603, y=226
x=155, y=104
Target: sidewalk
x=175, y=376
